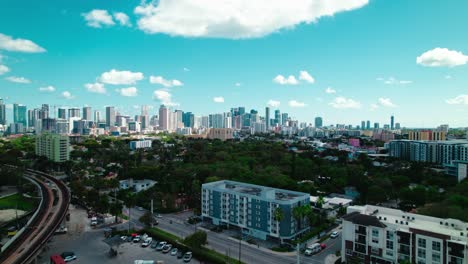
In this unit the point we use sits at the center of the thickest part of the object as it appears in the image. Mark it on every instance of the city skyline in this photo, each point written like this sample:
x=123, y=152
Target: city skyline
x=101, y=54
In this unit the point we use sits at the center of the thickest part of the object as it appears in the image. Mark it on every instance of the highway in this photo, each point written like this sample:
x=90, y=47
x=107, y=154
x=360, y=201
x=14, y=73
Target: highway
x=42, y=226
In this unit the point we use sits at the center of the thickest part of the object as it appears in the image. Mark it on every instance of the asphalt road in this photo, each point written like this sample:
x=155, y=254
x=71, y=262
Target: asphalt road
x=223, y=244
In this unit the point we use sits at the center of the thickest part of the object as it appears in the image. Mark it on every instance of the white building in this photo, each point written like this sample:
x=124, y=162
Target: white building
x=140, y=144
x=137, y=185
x=373, y=234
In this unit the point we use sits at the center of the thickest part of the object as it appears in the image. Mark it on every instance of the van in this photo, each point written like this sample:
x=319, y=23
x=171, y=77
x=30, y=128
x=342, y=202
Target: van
x=313, y=249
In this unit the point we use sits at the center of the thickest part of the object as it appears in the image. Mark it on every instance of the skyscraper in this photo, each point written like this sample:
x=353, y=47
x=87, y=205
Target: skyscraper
x=110, y=116
x=318, y=122
x=189, y=119
x=44, y=112
x=284, y=118
x=392, y=122
x=368, y=125
x=73, y=112
x=97, y=116
x=163, y=118
x=33, y=117
x=19, y=114
x=363, y=125
x=277, y=117
x=87, y=113
x=2, y=113
x=376, y=125
x=267, y=117
x=62, y=113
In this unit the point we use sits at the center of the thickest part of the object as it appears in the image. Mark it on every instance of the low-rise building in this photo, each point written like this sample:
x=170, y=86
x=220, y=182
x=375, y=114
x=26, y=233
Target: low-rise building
x=220, y=133
x=137, y=185
x=252, y=208
x=140, y=144
x=373, y=234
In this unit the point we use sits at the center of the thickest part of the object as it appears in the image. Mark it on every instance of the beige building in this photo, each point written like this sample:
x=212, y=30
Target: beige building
x=220, y=133
x=429, y=135
x=53, y=146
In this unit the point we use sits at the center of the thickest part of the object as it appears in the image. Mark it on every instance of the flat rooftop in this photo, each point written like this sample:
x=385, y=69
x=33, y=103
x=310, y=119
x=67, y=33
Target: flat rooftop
x=456, y=229
x=263, y=192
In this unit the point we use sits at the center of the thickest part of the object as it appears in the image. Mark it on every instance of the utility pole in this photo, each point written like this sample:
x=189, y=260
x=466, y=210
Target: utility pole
x=298, y=253
x=240, y=247
x=152, y=216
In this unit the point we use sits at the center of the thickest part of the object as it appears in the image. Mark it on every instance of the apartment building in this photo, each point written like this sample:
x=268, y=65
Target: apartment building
x=53, y=146
x=252, y=208
x=430, y=135
x=373, y=234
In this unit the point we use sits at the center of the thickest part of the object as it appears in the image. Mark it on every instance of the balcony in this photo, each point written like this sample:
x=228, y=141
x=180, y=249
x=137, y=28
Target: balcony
x=360, y=239
x=361, y=230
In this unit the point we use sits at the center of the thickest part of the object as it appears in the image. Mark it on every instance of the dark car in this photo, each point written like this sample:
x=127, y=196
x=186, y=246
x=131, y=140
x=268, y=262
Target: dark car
x=154, y=244
x=180, y=254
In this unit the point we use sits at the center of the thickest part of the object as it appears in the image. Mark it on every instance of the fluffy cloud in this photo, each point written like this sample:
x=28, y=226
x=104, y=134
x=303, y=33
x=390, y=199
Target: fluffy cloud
x=164, y=96
x=120, y=77
x=330, y=90
x=17, y=79
x=387, y=102
x=442, y=57
x=98, y=18
x=373, y=107
x=280, y=79
x=393, y=80
x=461, y=99
x=273, y=103
x=47, y=89
x=4, y=69
x=128, y=92
x=164, y=82
x=95, y=88
x=345, y=103
x=294, y=103
x=218, y=99
x=238, y=84
x=122, y=18
x=67, y=95
x=305, y=76
x=20, y=45
x=234, y=19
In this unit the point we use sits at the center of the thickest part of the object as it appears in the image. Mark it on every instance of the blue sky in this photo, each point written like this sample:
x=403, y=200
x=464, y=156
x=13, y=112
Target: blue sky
x=361, y=60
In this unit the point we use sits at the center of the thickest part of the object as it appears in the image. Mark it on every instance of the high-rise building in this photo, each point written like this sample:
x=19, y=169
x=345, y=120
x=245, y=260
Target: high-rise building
x=3, y=120
x=284, y=119
x=267, y=117
x=62, y=113
x=97, y=116
x=392, y=122
x=376, y=125
x=368, y=125
x=363, y=125
x=397, y=126
x=19, y=114
x=73, y=112
x=163, y=118
x=53, y=146
x=33, y=117
x=374, y=234
x=110, y=116
x=87, y=113
x=44, y=111
x=318, y=122
x=188, y=119
x=277, y=117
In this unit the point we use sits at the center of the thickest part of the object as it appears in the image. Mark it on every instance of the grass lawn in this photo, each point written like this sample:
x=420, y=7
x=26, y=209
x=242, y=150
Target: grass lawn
x=10, y=202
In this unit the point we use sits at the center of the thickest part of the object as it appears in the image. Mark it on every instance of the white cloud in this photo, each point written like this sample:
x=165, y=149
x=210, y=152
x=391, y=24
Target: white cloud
x=345, y=103
x=234, y=19
x=4, y=69
x=98, y=18
x=47, y=89
x=20, y=45
x=330, y=90
x=218, y=99
x=305, y=76
x=393, y=80
x=17, y=79
x=238, y=84
x=123, y=19
x=461, y=99
x=280, y=79
x=273, y=103
x=373, y=107
x=95, y=88
x=186, y=69
x=448, y=77
x=442, y=57
x=164, y=96
x=165, y=82
x=128, y=92
x=294, y=103
x=67, y=95
x=387, y=102
x=120, y=77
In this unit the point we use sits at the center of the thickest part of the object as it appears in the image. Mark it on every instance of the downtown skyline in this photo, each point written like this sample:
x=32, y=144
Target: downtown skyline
x=347, y=63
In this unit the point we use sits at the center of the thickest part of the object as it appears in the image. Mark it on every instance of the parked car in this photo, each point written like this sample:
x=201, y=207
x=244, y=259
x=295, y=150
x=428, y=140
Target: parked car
x=323, y=246
x=154, y=244
x=180, y=254
x=129, y=239
x=174, y=251
x=334, y=234
x=68, y=256
x=124, y=238
x=137, y=239
x=140, y=208
x=147, y=242
x=187, y=257
x=161, y=245
x=313, y=249
x=167, y=248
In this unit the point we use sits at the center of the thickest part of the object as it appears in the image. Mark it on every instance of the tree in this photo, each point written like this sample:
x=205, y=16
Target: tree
x=146, y=218
x=196, y=240
x=116, y=209
x=278, y=214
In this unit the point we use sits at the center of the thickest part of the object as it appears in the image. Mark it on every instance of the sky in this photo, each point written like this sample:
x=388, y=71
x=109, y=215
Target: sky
x=345, y=61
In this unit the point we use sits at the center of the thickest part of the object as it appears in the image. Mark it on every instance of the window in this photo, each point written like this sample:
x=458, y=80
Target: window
x=421, y=253
x=389, y=253
x=435, y=246
x=435, y=257
x=389, y=244
x=422, y=242
x=375, y=232
x=390, y=235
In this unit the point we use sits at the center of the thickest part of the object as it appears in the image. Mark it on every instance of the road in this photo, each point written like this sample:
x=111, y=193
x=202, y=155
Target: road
x=228, y=246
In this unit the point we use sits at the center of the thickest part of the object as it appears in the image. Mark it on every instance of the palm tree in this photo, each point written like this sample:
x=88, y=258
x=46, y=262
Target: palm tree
x=298, y=214
x=278, y=214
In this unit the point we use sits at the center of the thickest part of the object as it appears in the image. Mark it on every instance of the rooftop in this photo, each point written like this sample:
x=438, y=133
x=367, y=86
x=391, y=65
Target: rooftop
x=258, y=190
x=456, y=229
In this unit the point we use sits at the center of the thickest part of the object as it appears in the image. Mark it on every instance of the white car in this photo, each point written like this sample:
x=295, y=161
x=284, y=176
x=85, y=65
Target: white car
x=334, y=234
x=137, y=239
x=147, y=242
x=68, y=256
x=124, y=238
